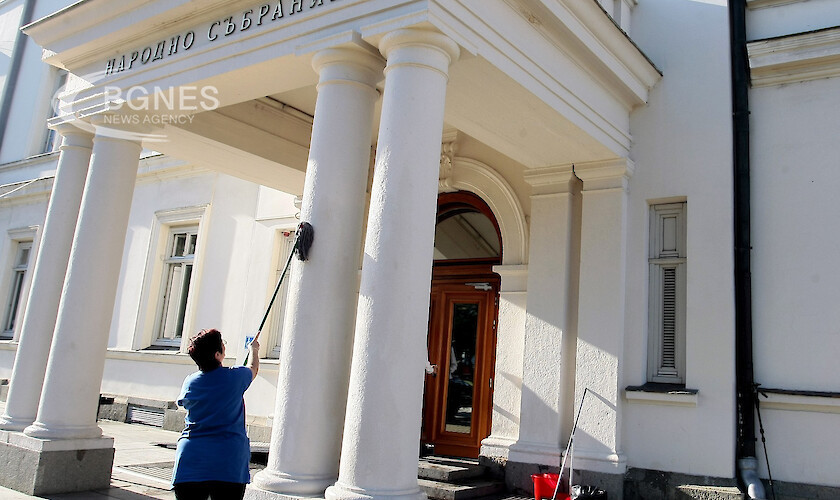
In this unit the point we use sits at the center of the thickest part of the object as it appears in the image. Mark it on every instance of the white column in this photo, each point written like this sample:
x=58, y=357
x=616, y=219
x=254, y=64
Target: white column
x=507, y=381
x=382, y=427
x=77, y=357
x=47, y=279
x=551, y=317
x=318, y=337
x=600, y=345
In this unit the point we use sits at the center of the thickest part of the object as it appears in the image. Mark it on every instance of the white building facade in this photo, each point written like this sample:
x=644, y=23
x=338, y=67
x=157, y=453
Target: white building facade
x=540, y=199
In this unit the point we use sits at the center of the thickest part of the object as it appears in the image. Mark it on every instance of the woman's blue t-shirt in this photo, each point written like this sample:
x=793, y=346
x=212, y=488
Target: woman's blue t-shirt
x=213, y=445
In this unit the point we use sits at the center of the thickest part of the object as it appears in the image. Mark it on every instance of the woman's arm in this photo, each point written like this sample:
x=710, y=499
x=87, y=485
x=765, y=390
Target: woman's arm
x=254, y=358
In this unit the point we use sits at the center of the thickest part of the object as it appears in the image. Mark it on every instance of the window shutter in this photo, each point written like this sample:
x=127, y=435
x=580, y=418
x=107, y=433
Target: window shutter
x=668, y=365
x=666, y=319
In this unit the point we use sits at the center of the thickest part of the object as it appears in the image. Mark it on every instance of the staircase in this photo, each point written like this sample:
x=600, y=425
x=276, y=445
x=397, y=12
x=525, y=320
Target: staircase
x=456, y=479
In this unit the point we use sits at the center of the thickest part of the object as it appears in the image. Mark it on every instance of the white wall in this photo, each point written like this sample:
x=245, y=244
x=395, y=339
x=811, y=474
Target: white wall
x=10, y=12
x=235, y=273
x=682, y=148
x=796, y=17
x=26, y=130
x=795, y=275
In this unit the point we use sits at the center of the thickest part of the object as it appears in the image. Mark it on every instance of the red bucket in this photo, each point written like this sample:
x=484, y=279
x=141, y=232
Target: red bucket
x=544, y=486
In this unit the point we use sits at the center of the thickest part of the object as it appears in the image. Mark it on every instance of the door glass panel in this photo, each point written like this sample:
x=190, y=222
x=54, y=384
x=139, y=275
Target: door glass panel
x=459, y=398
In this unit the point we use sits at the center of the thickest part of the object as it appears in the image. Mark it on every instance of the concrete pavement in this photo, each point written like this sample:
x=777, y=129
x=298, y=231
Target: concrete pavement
x=141, y=468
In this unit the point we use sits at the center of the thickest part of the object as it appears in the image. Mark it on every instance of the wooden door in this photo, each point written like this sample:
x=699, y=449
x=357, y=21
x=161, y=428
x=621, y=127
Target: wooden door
x=462, y=343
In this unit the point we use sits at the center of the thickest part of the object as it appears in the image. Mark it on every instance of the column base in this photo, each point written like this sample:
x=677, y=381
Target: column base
x=535, y=453
x=496, y=447
x=42, y=431
x=254, y=493
x=289, y=486
x=37, y=466
x=339, y=491
x=8, y=423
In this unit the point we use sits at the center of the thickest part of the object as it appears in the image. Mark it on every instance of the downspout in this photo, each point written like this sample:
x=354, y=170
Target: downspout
x=744, y=381
x=14, y=70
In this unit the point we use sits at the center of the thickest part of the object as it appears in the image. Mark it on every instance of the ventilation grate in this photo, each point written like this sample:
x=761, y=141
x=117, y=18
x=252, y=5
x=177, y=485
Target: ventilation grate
x=145, y=415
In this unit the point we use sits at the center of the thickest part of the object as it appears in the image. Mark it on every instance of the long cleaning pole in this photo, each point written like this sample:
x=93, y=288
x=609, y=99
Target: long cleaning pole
x=303, y=241
x=569, y=447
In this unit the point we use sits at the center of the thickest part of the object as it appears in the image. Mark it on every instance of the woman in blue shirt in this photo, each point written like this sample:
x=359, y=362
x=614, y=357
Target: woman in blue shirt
x=213, y=451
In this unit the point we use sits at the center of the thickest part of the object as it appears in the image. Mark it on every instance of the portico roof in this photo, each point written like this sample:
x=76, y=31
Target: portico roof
x=546, y=82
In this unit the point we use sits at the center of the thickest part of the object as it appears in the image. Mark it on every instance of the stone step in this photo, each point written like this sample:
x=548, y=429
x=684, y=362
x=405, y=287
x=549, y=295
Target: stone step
x=449, y=469
x=698, y=492
x=472, y=488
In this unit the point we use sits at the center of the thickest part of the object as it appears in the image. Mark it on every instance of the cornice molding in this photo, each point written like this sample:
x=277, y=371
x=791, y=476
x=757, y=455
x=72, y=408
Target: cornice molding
x=795, y=58
x=607, y=174
x=552, y=180
x=761, y=4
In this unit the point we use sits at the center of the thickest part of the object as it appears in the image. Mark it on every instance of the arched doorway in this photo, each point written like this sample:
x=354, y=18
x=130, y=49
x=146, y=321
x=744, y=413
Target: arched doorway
x=462, y=326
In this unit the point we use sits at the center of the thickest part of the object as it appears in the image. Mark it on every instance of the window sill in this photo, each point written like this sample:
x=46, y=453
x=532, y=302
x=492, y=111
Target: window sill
x=8, y=345
x=661, y=394
x=174, y=357
x=791, y=400
x=160, y=356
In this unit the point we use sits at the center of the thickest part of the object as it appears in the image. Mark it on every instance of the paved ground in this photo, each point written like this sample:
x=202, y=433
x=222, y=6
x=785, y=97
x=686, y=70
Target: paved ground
x=141, y=469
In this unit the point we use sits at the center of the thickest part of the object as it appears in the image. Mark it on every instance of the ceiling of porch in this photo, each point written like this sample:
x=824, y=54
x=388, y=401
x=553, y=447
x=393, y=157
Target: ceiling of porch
x=544, y=82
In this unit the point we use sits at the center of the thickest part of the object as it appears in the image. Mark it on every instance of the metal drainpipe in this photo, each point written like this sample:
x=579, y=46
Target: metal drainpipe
x=744, y=380
x=14, y=69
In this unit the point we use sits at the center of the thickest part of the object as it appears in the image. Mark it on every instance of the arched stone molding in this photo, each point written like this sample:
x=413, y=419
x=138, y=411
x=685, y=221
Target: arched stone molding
x=466, y=174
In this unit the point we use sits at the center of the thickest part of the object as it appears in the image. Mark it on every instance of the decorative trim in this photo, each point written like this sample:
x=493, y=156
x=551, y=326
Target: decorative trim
x=607, y=174
x=496, y=447
x=599, y=461
x=27, y=233
x=761, y=4
x=26, y=191
x=552, y=180
x=448, y=147
x=661, y=394
x=795, y=58
x=818, y=402
x=199, y=215
x=40, y=159
x=514, y=278
x=481, y=180
x=536, y=453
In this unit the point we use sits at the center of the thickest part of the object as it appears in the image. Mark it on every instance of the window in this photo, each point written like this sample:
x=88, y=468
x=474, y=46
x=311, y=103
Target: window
x=667, y=264
x=53, y=139
x=177, y=275
x=278, y=311
x=19, y=268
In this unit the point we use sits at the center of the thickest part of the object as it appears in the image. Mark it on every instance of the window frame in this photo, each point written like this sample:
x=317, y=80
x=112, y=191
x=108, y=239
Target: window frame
x=171, y=264
x=164, y=224
x=662, y=257
x=285, y=243
x=16, y=237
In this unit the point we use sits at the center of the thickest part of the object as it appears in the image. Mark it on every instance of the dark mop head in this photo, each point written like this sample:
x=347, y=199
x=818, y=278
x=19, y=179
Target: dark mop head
x=304, y=240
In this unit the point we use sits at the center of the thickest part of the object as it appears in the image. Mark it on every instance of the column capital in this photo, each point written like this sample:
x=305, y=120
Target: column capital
x=514, y=277
x=73, y=131
x=347, y=59
x=106, y=129
x=552, y=180
x=606, y=174
x=401, y=46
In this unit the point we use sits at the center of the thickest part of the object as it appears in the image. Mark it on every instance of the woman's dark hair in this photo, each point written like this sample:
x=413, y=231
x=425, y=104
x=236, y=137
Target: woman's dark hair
x=203, y=348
